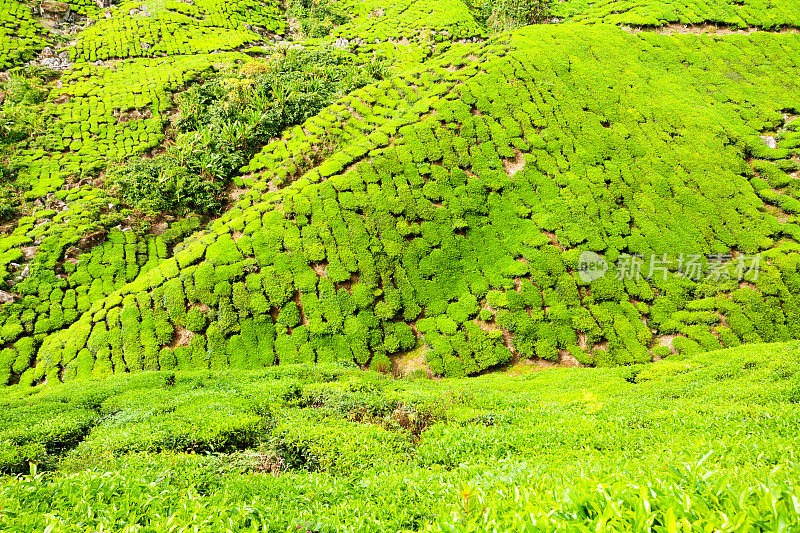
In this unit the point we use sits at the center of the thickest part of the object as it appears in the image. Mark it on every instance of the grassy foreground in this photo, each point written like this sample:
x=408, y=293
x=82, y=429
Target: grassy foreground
x=706, y=443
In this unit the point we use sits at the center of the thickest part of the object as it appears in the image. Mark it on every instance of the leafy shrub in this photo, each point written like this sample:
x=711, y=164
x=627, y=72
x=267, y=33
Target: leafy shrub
x=234, y=116
x=500, y=15
x=317, y=17
x=163, y=184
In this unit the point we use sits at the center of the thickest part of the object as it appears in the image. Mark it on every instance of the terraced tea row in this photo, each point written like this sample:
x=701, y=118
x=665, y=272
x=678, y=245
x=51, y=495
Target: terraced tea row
x=726, y=13
x=171, y=28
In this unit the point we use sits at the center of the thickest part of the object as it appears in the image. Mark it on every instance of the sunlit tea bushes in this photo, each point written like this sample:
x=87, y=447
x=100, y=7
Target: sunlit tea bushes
x=176, y=28
x=21, y=36
x=61, y=280
x=378, y=21
x=442, y=209
x=106, y=112
x=726, y=13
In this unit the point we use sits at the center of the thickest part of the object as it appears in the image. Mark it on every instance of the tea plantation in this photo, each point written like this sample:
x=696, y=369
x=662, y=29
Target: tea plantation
x=443, y=207
x=316, y=265
x=705, y=443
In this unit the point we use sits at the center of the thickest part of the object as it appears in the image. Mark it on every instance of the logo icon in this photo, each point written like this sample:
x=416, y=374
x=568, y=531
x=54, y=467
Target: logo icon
x=591, y=266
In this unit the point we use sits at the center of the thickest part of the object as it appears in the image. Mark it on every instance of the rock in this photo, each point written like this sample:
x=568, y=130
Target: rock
x=341, y=43
x=55, y=11
x=92, y=240
x=55, y=60
x=769, y=140
x=28, y=252
x=72, y=252
x=25, y=272
x=7, y=297
x=145, y=46
x=103, y=4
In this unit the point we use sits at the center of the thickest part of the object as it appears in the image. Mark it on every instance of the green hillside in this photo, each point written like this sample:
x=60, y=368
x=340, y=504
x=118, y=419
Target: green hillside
x=442, y=209
x=359, y=265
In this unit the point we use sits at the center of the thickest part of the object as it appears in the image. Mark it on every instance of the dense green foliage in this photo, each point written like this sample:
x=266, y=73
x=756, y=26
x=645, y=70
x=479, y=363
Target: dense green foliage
x=420, y=228
x=706, y=443
x=21, y=36
x=173, y=27
x=499, y=15
x=223, y=121
x=316, y=18
x=391, y=181
x=224, y=224
x=163, y=185
x=733, y=13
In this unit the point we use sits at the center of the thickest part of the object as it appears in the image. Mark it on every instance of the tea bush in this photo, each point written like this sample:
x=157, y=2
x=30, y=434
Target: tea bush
x=725, y=13
x=173, y=28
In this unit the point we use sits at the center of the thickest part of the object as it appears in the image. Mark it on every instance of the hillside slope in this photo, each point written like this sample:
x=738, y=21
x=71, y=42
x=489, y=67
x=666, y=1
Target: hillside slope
x=440, y=213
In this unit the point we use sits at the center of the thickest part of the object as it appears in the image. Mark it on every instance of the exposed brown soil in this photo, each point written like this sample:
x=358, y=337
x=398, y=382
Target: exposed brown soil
x=700, y=29
x=567, y=359
x=513, y=166
x=181, y=337
x=134, y=114
x=201, y=307
x=408, y=363
x=321, y=269
x=158, y=228
x=554, y=240
x=666, y=340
